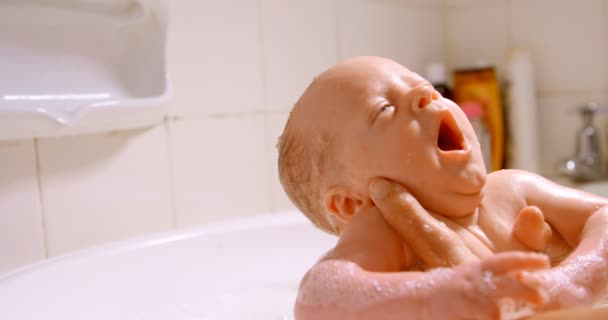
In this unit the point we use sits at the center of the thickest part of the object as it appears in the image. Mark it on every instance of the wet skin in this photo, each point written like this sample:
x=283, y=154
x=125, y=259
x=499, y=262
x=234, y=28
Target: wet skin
x=435, y=207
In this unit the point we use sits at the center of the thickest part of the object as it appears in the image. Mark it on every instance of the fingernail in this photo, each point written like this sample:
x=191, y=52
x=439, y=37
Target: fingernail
x=379, y=188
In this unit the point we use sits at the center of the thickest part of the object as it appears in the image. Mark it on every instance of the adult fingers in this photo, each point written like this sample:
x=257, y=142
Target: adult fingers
x=398, y=206
x=432, y=241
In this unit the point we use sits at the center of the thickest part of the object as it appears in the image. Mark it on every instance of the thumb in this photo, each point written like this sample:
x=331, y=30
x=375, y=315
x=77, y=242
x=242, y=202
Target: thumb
x=433, y=242
x=405, y=214
x=393, y=201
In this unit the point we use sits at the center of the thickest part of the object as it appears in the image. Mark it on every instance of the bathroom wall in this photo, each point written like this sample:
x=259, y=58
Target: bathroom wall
x=568, y=40
x=237, y=66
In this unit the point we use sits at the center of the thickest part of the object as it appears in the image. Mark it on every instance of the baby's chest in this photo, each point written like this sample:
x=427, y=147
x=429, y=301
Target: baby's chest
x=497, y=224
x=504, y=229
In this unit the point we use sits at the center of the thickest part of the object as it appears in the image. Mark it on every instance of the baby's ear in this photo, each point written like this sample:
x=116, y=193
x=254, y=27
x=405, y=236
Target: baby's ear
x=343, y=203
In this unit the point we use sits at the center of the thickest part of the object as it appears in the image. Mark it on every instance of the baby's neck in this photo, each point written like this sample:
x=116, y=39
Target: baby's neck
x=469, y=220
x=465, y=221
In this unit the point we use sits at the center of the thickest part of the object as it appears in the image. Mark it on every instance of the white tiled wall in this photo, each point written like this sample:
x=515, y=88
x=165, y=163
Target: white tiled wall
x=568, y=40
x=215, y=57
x=219, y=168
x=97, y=188
x=21, y=224
x=299, y=40
x=275, y=122
x=236, y=67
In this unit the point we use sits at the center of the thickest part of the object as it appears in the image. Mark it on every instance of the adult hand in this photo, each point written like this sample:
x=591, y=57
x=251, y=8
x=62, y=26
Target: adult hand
x=432, y=241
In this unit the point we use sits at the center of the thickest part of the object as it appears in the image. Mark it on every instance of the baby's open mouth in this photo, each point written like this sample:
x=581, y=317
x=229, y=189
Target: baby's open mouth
x=449, y=137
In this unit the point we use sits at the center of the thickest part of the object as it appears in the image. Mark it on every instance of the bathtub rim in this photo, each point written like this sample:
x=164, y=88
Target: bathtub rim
x=114, y=247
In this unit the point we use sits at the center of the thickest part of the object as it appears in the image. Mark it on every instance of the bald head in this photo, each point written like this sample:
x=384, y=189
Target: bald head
x=310, y=144
x=339, y=88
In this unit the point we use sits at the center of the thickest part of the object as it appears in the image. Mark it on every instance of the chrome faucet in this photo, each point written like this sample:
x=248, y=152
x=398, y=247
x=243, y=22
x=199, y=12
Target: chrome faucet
x=588, y=162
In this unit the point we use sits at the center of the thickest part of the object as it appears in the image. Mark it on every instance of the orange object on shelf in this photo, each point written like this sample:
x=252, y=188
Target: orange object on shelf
x=481, y=85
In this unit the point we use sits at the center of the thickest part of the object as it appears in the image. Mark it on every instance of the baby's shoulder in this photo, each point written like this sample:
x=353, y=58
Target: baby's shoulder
x=504, y=181
x=506, y=189
x=508, y=176
x=519, y=181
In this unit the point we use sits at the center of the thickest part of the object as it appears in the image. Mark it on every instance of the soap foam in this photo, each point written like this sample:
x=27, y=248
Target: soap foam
x=345, y=284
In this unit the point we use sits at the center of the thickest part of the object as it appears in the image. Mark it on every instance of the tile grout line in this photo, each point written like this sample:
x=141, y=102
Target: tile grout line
x=447, y=60
x=337, y=4
x=265, y=120
x=173, y=200
x=272, y=203
x=605, y=36
x=43, y=219
x=262, y=59
x=603, y=120
x=509, y=40
x=241, y=114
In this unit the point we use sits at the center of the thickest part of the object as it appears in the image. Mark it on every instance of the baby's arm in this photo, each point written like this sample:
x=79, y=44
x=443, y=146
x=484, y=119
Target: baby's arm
x=340, y=289
x=582, y=219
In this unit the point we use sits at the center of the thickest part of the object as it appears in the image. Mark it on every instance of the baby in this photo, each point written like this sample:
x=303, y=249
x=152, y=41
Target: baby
x=372, y=153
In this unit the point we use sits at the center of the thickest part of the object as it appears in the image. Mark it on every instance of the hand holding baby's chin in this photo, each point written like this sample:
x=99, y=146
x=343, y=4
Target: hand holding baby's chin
x=492, y=288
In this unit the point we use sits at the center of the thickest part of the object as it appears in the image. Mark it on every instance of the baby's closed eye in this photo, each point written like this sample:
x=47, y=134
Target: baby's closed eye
x=387, y=107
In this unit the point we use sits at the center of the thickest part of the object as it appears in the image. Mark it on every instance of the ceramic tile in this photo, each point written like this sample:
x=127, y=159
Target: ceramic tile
x=220, y=168
x=605, y=27
x=374, y=37
x=215, y=57
x=21, y=231
x=567, y=42
x=477, y=35
x=469, y=3
x=275, y=123
x=410, y=35
x=419, y=37
x=425, y=3
x=409, y=3
x=99, y=188
x=299, y=42
x=559, y=124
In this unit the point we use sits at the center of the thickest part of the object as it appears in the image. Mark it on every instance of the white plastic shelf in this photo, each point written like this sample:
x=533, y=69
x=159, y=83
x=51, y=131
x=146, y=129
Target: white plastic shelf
x=81, y=66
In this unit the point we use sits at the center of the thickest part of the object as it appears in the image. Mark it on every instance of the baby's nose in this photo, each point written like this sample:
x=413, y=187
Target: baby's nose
x=422, y=95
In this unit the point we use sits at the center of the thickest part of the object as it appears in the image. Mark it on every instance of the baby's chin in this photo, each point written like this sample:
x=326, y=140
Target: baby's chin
x=457, y=205
x=460, y=197
x=471, y=180
x=474, y=185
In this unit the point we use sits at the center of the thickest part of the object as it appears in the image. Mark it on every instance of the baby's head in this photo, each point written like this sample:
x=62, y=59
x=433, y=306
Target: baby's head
x=371, y=117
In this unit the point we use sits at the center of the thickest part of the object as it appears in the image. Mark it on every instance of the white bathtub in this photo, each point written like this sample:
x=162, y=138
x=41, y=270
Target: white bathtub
x=247, y=269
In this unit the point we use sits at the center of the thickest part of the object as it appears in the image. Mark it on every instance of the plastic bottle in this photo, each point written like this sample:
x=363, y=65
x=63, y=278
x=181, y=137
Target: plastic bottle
x=435, y=74
x=474, y=111
x=523, y=113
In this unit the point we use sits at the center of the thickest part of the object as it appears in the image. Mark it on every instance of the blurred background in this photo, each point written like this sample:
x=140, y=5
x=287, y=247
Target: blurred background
x=237, y=67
